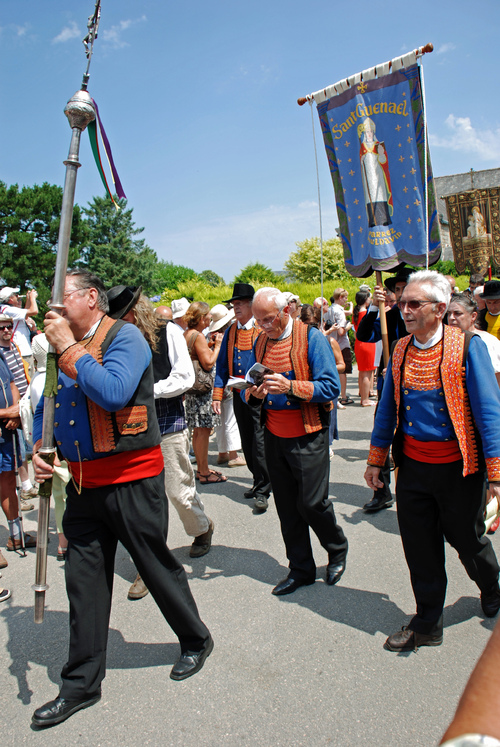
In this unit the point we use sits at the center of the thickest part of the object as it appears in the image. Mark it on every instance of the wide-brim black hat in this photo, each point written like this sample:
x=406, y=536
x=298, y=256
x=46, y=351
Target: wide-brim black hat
x=122, y=298
x=491, y=290
x=241, y=291
x=400, y=277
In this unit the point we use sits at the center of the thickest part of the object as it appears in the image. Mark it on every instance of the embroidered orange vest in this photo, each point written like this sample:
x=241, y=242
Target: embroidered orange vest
x=298, y=355
x=134, y=426
x=452, y=370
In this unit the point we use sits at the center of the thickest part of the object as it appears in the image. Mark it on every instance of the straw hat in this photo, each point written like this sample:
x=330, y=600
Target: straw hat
x=220, y=317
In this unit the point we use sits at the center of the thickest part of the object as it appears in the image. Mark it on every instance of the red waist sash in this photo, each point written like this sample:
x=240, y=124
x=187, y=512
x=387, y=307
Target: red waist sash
x=285, y=423
x=126, y=466
x=433, y=452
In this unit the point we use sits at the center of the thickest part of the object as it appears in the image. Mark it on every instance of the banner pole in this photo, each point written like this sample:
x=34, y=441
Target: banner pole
x=79, y=111
x=418, y=52
x=383, y=321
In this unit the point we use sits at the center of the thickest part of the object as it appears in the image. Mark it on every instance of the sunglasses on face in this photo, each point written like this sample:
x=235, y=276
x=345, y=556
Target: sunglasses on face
x=412, y=305
x=6, y=326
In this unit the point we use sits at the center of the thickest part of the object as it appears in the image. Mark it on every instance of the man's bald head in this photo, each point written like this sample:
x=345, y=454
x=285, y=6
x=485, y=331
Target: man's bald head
x=164, y=311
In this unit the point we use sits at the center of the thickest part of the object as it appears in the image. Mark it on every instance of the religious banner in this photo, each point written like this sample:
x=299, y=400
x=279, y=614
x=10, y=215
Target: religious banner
x=374, y=137
x=475, y=229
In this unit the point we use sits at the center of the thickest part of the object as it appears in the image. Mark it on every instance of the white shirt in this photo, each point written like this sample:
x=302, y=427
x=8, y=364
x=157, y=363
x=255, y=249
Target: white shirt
x=247, y=325
x=336, y=315
x=22, y=336
x=430, y=343
x=181, y=377
x=493, y=345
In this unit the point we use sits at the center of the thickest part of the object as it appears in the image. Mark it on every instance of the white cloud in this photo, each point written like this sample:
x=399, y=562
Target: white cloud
x=71, y=31
x=464, y=137
x=226, y=245
x=114, y=35
x=447, y=47
x=21, y=30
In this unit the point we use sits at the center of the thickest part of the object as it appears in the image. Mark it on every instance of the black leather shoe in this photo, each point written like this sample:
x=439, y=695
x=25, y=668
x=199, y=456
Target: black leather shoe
x=261, y=503
x=248, y=494
x=334, y=572
x=490, y=602
x=377, y=503
x=409, y=640
x=191, y=662
x=60, y=709
x=289, y=585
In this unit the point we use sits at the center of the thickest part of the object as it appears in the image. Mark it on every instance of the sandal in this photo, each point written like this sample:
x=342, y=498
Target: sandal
x=346, y=401
x=205, y=479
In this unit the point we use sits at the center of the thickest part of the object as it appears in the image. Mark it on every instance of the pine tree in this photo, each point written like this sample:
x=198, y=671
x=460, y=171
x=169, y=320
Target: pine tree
x=111, y=250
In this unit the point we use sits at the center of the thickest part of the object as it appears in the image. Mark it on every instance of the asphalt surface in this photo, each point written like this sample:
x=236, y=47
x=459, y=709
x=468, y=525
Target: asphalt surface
x=305, y=669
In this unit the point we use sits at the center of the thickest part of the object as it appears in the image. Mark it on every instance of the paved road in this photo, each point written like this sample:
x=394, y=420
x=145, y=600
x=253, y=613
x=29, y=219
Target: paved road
x=308, y=669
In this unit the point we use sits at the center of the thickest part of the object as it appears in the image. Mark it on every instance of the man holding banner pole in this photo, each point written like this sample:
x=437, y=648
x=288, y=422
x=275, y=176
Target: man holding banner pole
x=370, y=330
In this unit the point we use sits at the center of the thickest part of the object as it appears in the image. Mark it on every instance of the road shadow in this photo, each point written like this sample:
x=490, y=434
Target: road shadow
x=46, y=646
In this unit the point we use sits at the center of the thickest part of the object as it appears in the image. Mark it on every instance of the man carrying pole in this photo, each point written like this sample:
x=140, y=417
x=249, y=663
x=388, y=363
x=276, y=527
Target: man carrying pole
x=107, y=431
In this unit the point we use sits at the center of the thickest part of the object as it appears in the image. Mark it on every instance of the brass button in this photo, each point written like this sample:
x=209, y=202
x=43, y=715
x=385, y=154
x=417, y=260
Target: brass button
x=406, y=391
x=71, y=422
x=76, y=386
x=441, y=409
x=443, y=425
x=270, y=402
x=58, y=442
x=288, y=404
x=407, y=407
x=73, y=404
x=58, y=404
x=56, y=425
x=441, y=394
x=410, y=423
x=59, y=386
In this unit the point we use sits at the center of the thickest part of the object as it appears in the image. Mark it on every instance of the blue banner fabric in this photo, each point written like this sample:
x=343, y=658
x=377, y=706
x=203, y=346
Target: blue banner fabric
x=374, y=139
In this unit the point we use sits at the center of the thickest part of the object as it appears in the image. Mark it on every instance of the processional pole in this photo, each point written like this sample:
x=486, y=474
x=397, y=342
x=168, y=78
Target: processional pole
x=80, y=112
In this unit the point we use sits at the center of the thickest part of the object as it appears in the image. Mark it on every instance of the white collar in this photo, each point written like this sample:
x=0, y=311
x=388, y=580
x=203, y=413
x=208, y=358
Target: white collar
x=430, y=343
x=247, y=325
x=93, y=329
x=287, y=331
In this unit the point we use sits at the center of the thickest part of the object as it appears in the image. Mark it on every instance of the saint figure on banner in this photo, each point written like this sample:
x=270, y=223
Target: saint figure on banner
x=375, y=176
x=477, y=224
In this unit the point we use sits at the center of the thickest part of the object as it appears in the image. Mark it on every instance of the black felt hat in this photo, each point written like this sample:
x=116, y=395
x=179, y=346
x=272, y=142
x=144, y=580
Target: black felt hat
x=491, y=290
x=122, y=298
x=241, y=291
x=400, y=277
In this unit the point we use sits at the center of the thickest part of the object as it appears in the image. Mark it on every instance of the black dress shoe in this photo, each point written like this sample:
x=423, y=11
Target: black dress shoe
x=490, y=602
x=248, y=494
x=334, y=572
x=261, y=503
x=191, y=662
x=289, y=585
x=377, y=503
x=60, y=709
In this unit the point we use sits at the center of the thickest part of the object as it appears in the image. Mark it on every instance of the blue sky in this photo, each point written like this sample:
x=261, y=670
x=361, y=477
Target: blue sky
x=199, y=103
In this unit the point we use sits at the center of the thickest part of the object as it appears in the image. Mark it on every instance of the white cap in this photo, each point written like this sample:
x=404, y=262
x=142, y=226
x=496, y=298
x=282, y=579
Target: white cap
x=179, y=307
x=7, y=292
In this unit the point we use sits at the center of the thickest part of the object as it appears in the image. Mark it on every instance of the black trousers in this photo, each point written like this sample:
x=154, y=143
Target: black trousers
x=434, y=502
x=252, y=443
x=136, y=514
x=299, y=470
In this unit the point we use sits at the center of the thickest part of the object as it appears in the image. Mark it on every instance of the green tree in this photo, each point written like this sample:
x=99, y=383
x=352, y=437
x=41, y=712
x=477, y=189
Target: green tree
x=305, y=263
x=255, y=273
x=29, y=227
x=168, y=276
x=211, y=277
x=111, y=250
